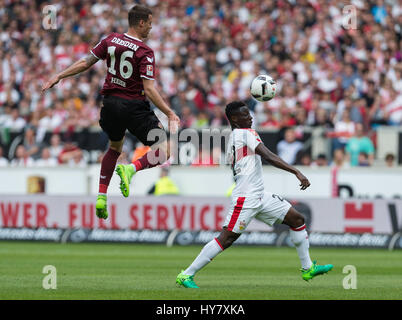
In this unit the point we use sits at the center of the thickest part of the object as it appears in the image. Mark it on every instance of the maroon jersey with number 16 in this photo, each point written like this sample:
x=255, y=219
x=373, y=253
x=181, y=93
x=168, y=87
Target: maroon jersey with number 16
x=128, y=60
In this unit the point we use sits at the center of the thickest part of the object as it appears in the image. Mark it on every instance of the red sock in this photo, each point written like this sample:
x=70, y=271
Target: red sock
x=107, y=168
x=150, y=159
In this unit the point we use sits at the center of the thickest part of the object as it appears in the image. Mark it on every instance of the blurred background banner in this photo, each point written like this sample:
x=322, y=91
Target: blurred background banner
x=377, y=216
x=185, y=238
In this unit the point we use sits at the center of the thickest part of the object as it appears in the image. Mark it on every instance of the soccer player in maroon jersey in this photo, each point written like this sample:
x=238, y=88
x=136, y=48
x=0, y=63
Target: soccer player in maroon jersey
x=130, y=79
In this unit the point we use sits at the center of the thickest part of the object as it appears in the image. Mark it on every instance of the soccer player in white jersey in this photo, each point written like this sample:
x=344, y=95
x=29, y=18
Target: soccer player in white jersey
x=250, y=200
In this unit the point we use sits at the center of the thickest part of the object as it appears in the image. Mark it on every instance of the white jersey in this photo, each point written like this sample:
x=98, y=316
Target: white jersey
x=246, y=164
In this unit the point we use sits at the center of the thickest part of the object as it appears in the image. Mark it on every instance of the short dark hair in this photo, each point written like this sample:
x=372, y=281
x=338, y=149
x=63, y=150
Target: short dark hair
x=138, y=13
x=390, y=156
x=233, y=107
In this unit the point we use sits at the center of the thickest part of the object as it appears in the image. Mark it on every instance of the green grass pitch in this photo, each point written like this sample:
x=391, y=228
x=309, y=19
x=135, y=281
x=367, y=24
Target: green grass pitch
x=148, y=272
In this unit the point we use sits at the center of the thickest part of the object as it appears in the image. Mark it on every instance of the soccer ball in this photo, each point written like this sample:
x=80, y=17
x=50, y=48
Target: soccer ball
x=263, y=88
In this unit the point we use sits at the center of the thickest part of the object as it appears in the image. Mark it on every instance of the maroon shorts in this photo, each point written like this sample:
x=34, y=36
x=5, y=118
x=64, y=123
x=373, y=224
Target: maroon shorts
x=118, y=115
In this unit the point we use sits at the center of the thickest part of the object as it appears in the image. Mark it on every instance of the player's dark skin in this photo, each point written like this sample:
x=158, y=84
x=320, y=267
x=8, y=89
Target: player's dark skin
x=294, y=219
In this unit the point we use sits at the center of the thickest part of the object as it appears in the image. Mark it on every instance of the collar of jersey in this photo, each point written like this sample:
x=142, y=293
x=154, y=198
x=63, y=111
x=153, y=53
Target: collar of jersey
x=131, y=37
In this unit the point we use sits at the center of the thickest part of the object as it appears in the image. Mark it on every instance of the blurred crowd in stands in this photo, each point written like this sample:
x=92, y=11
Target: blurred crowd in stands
x=330, y=73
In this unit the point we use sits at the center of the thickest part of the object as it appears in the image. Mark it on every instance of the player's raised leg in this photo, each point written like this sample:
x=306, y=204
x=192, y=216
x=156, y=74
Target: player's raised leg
x=299, y=237
x=156, y=156
x=107, y=167
x=147, y=128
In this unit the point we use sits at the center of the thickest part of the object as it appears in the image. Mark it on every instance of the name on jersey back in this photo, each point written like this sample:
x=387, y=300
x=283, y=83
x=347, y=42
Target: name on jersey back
x=123, y=43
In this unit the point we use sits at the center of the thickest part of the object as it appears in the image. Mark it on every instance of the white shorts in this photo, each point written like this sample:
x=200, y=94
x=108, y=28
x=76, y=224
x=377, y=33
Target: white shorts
x=270, y=209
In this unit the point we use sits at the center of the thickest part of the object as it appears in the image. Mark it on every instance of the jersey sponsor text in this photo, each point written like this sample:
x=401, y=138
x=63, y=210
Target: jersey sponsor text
x=118, y=81
x=124, y=43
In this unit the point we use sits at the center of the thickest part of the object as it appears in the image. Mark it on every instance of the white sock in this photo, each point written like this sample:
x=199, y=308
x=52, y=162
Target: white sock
x=210, y=251
x=299, y=238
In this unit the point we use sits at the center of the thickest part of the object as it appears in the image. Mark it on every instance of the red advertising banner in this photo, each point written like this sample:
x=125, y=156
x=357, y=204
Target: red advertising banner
x=191, y=213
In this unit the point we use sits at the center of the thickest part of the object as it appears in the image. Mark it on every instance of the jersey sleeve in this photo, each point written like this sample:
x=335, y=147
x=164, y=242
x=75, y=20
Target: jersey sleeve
x=369, y=146
x=100, y=50
x=252, y=139
x=147, y=65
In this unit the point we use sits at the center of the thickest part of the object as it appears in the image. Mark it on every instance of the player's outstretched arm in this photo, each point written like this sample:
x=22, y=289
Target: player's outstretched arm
x=157, y=100
x=277, y=162
x=77, y=67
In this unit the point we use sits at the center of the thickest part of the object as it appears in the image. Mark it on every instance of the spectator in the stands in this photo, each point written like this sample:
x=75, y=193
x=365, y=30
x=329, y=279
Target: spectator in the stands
x=14, y=121
x=70, y=151
x=390, y=160
x=393, y=110
x=22, y=158
x=351, y=106
x=77, y=159
x=218, y=118
x=320, y=161
x=303, y=159
x=201, y=121
x=363, y=160
x=46, y=160
x=357, y=144
x=56, y=145
x=321, y=119
x=269, y=120
x=164, y=186
x=343, y=130
x=289, y=146
x=31, y=146
x=339, y=159
x=187, y=118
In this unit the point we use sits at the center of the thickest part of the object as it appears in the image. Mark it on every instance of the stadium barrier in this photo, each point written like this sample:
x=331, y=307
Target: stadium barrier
x=93, y=141
x=194, y=220
x=175, y=237
x=362, y=182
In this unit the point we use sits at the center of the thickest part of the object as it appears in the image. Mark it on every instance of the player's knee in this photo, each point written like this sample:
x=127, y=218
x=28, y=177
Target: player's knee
x=294, y=219
x=226, y=240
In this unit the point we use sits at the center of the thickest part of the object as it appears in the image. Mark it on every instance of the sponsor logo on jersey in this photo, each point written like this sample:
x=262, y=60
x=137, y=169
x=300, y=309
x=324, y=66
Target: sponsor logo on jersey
x=150, y=59
x=150, y=70
x=118, y=81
